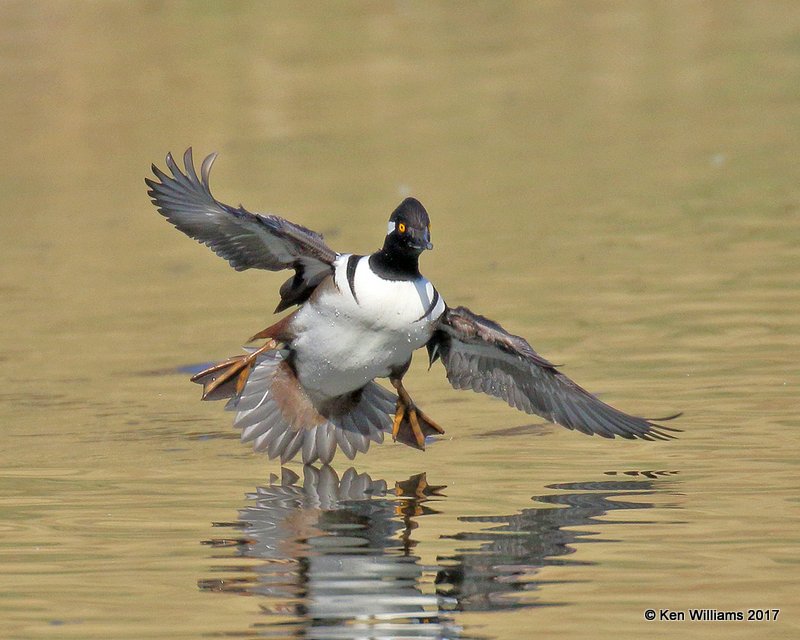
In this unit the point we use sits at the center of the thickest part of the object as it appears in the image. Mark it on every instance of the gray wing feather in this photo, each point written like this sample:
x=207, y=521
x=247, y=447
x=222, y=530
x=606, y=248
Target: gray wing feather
x=246, y=240
x=345, y=445
x=326, y=443
x=309, y=449
x=294, y=445
x=479, y=354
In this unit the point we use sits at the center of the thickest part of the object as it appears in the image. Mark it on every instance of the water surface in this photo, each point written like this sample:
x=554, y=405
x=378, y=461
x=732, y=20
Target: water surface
x=616, y=182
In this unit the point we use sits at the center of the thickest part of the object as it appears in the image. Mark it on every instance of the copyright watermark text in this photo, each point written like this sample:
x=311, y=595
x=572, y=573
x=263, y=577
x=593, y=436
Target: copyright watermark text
x=712, y=615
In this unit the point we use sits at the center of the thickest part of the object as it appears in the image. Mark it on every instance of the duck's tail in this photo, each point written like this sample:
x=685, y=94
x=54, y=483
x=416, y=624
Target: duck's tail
x=279, y=417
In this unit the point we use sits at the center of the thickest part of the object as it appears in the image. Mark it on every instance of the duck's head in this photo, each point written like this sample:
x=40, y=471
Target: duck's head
x=409, y=231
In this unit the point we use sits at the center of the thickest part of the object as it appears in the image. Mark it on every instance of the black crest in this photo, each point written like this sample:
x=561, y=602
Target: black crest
x=412, y=213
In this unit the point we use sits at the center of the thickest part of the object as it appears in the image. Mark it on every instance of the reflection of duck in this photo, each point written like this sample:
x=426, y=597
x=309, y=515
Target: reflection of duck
x=513, y=548
x=336, y=554
x=311, y=387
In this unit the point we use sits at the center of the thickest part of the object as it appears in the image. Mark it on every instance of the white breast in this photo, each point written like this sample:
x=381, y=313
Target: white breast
x=344, y=341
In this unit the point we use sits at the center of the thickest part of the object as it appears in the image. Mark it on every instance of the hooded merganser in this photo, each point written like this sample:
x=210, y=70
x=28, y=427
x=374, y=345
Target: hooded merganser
x=311, y=386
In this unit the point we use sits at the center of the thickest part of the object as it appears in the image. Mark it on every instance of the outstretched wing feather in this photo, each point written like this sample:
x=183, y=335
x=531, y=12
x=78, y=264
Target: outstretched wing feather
x=479, y=354
x=246, y=240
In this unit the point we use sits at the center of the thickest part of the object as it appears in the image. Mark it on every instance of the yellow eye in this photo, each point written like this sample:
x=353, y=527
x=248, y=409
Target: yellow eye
x=401, y=227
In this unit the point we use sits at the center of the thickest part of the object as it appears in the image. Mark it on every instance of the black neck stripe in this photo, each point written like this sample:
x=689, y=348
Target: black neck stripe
x=352, y=263
x=431, y=306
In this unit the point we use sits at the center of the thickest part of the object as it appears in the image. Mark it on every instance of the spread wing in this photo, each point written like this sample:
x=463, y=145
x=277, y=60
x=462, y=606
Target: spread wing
x=479, y=354
x=246, y=240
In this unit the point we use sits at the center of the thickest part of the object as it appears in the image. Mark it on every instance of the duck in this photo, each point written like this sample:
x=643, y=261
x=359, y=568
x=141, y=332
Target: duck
x=311, y=388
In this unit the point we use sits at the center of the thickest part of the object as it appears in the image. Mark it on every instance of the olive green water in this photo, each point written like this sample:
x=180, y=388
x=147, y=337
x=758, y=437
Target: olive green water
x=618, y=182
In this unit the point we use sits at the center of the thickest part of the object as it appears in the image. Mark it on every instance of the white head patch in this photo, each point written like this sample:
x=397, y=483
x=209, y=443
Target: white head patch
x=390, y=228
